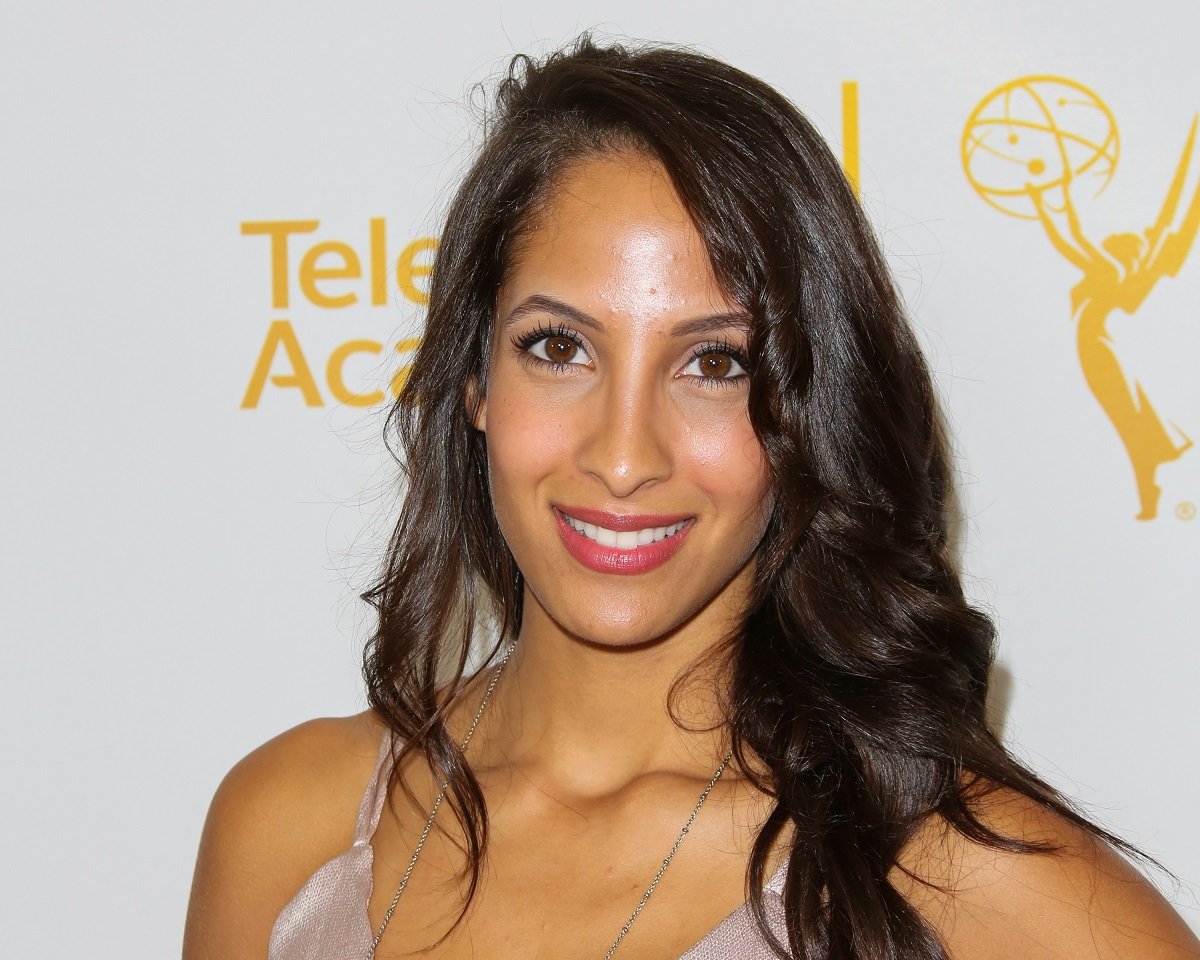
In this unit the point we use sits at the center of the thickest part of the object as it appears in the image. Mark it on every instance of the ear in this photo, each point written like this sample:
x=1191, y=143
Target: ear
x=476, y=405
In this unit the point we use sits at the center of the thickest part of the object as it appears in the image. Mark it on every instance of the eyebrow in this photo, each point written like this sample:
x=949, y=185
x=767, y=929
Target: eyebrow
x=541, y=303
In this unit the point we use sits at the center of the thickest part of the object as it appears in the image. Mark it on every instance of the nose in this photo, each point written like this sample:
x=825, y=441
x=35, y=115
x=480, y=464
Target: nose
x=625, y=440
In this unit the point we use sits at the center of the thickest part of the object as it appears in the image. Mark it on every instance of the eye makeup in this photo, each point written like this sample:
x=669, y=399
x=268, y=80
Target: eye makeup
x=527, y=347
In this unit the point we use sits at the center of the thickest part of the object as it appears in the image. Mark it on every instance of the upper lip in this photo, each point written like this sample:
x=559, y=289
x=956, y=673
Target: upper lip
x=622, y=521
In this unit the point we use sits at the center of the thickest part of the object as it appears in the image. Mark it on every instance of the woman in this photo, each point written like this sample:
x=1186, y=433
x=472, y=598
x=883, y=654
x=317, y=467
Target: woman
x=672, y=450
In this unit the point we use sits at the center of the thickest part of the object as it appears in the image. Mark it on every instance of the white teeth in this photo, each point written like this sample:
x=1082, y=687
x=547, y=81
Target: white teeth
x=623, y=539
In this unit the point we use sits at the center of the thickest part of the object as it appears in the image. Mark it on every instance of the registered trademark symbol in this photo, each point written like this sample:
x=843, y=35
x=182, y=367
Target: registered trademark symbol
x=1185, y=510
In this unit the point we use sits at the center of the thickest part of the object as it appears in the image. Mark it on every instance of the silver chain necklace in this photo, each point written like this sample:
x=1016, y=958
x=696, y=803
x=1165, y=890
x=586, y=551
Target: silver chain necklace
x=387, y=917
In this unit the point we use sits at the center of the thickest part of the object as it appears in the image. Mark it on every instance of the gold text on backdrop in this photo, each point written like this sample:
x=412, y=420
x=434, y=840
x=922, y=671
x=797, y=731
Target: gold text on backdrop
x=329, y=276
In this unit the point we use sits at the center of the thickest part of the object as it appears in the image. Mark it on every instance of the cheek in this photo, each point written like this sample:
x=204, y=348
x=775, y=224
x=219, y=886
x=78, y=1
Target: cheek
x=526, y=439
x=725, y=458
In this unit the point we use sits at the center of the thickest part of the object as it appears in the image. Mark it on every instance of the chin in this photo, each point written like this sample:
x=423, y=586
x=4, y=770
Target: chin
x=615, y=630
x=621, y=626
x=620, y=637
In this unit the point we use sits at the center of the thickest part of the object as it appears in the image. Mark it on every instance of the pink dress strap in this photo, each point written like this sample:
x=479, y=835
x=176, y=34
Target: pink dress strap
x=327, y=918
x=371, y=805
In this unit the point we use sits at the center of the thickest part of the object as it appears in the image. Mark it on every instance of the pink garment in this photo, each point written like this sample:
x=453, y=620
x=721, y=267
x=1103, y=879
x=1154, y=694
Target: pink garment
x=327, y=918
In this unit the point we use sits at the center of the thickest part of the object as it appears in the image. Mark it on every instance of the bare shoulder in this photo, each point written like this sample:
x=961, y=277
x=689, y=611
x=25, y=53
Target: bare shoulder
x=280, y=813
x=1082, y=901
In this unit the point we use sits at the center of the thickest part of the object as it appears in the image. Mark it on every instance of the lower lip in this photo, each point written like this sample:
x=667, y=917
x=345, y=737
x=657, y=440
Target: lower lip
x=613, y=559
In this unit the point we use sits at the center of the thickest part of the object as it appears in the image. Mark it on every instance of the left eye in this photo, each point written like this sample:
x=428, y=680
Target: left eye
x=558, y=349
x=714, y=365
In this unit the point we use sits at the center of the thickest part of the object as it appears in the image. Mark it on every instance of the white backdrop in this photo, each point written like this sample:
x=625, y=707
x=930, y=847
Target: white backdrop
x=180, y=573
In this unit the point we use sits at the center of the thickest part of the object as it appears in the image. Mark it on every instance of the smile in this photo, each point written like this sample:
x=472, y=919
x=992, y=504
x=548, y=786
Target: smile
x=624, y=544
x=623, y=539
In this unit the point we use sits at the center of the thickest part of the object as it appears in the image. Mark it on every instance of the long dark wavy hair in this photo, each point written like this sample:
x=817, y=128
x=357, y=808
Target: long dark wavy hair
x=856, y=684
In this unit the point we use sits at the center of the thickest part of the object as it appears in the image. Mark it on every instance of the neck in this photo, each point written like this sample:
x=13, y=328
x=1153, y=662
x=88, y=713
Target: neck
x=598, y=717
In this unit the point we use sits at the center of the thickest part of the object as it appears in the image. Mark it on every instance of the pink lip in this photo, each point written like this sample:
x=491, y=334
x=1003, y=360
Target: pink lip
x=613, y=559
x=623, y=521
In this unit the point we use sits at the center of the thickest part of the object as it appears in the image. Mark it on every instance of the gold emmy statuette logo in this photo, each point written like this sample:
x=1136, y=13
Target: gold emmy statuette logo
x=1029, y=149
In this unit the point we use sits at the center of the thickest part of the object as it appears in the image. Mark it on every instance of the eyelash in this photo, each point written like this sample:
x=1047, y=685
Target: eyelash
x=523, y=342
x=526, y=340
x=727, y=348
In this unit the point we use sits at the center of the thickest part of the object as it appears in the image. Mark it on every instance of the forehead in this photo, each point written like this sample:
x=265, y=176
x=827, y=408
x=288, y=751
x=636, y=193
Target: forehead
x=613, y=236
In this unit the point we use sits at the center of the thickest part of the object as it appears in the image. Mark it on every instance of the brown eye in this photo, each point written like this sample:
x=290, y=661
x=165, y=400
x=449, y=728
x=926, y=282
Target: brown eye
x=560, y=349
x=715, y=365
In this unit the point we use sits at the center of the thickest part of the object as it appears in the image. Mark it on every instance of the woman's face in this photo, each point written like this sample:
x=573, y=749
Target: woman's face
x=625, y=475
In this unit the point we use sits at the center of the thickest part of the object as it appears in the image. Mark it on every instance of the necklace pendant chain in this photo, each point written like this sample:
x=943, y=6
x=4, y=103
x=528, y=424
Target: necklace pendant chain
x=670, y=855
x=425, y=830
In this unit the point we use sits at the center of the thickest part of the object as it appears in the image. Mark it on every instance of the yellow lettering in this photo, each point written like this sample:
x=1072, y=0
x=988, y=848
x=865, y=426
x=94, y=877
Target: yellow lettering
x=378, y=263
x=278, y=231
x=850, y=133
x=408, y=269
x=401, y=377
x=311, y=272
x=281, y=334
x=335, y=375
